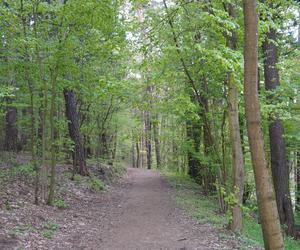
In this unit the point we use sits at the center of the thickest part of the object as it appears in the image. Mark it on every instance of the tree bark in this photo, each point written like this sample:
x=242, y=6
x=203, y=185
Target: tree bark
x=103, y=145
x=138, y=158
x=114, y=147
x=156, y=141
x=210, y=151
x=279, y=164
x=53, y=77
x=133, y=152
x=236, y=144
x=297, y=181
x=30, y=85
x=78, y=155
x=237, y=155
x=148, y=139
x=194, y=130
x=11, y=131
x=264, y=187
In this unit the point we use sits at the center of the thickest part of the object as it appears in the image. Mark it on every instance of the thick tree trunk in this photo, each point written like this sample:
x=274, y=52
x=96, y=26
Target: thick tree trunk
x=74, y=131
x=11, y=131
x=235, y=137
x=156, y=141
x=264, y=187
x=280, y=168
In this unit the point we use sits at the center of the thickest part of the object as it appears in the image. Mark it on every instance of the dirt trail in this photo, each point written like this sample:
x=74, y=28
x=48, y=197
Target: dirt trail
x=137, y=214
x=148, y=219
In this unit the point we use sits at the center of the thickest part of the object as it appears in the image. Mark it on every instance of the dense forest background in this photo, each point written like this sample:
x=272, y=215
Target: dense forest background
x=157, y=85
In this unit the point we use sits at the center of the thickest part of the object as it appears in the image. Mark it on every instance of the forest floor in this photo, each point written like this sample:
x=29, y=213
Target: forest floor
x=137, y=213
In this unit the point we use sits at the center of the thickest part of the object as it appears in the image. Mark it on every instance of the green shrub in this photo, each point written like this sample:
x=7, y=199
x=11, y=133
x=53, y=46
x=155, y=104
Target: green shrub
x=77, y=178
x=24, y=169
x=61, y=204
x=96, y=184
x=49, y=229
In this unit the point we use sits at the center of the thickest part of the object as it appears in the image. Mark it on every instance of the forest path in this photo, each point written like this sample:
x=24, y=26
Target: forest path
x=149, y=219
x=137, y=214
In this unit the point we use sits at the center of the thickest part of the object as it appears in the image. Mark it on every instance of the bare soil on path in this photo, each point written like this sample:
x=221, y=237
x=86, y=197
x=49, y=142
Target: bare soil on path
x=139, y=213
x=147, y=218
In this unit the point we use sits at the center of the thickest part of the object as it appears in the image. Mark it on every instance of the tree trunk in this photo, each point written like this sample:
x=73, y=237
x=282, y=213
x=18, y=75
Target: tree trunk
x=78, y=155
x=193, y=131
x=280, y=168
x=297, y=180
x=264, y=187
x=138, y=158
x=114, y=147
x=156, y=141
x=11, y=131
x=236, y=144
x=142, y=143
x=133, y=152
x=51, y=194
x=209, y=147
x=148, y=139
x=237, y=154
x=103, y=145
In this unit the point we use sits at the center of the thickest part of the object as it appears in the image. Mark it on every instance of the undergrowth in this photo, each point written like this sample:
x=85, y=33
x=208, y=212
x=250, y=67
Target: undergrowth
x=204, y=209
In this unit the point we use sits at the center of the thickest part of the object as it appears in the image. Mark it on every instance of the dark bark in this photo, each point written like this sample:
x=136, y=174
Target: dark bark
x=133, y=153
x=114, y=147
x=87, y=148
x=103, y=145
x=279, y=164
x=242, y=125
x=74, y=131
x=148, y=139
x=193, y=135
x=143, y=158
x=11, y=131
x=156, y=141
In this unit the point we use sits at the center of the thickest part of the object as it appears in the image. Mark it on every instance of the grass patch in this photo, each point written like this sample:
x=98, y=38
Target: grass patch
x=77, y=178
x=21, y=229
x=96, y=184
x=49, y=229
x=61, y=204
x=253, y=234
x=205, y=210
x=24, y=170
x=92, y=182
